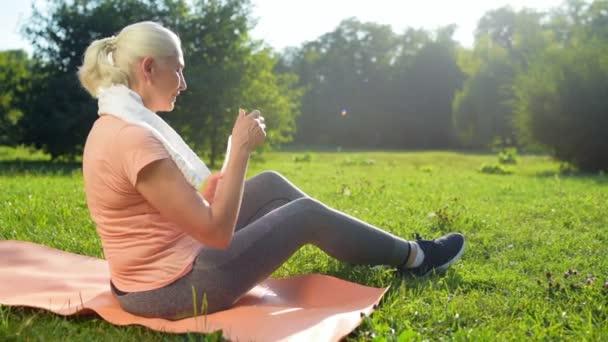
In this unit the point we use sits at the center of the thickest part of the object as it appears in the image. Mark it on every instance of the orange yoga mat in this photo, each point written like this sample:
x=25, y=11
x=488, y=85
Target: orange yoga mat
x=302, y=308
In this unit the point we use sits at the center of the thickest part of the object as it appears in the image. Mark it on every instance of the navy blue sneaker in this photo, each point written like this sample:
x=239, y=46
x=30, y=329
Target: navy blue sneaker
x=439, y=254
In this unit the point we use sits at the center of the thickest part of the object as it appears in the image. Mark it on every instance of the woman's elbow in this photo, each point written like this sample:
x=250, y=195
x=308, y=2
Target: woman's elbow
x=214, y=238
x=220, y=242
x=222, y=245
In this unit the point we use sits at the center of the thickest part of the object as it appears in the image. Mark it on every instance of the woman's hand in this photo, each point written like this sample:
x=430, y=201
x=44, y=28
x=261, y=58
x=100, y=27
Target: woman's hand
x=249, y=130
x=211, y=186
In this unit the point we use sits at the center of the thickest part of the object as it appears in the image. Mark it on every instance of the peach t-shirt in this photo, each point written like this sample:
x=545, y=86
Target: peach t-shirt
x=143, y=249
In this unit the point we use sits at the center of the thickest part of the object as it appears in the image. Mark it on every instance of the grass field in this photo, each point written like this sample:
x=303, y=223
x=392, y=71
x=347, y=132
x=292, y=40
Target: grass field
x=524, y=230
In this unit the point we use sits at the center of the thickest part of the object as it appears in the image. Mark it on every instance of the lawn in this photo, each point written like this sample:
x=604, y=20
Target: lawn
x=524, y=230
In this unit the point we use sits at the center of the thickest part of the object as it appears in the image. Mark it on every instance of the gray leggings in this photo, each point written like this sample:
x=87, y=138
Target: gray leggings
x=275, y=220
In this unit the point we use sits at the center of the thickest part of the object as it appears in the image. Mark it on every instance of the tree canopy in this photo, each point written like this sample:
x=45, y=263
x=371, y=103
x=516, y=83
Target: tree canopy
x=223, y=66
x=531, y=78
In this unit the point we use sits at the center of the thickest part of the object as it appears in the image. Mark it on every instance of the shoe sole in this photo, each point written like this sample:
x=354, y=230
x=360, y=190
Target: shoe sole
x=449, y=263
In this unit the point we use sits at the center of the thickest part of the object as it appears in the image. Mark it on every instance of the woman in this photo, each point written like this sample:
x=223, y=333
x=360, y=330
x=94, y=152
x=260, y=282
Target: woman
x=163, y=239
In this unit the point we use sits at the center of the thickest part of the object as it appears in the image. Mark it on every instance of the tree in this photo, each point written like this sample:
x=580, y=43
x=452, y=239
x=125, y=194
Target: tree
x=561, y=100
x=14, y=83
x=482, y=109
x=216, y=48
x=563, y=105
x=506, y=43
x=341, y=71
x=58, y=112
x=219, y=58
x=369, y=87
x=275, y=93
x=431, y=80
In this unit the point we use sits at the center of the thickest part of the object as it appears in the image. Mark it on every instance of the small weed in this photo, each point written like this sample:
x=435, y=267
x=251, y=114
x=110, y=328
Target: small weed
x=508, y=156
x=305, y=158
x=567, y=169
x=495, y=169
x=444, y=218
x=573, y=280
x=358, y=161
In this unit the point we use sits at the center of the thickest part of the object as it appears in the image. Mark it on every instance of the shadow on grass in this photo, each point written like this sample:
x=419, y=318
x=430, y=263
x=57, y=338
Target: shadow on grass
x=88, y=324
x=339, y=149
x=37, y=167
x=383, y=276
x=578, y=175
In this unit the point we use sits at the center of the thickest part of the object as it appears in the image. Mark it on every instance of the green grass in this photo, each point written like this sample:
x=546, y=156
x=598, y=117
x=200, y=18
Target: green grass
x=519, y=226
x=22, y=153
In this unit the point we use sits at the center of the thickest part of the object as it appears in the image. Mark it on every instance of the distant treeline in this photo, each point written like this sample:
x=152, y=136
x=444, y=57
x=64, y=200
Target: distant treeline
x=531, y=79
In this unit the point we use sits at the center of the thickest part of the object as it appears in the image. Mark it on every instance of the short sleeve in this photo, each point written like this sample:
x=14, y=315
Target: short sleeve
x=138, y=147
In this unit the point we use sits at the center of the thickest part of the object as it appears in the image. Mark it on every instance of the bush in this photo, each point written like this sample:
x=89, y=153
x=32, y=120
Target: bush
x=561, y=103
x=507, y=156
x=495, y=169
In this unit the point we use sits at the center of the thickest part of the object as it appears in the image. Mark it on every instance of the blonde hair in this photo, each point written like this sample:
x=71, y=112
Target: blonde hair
x=110, y=60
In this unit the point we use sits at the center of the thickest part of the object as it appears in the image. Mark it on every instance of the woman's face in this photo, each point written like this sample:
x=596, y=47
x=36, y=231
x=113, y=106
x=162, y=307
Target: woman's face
x=166, y=81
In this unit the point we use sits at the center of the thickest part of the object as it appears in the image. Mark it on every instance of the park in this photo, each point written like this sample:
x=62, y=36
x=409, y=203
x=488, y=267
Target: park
x=409, y=131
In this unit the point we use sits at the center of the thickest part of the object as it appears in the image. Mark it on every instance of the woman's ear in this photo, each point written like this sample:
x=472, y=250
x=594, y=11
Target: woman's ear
x=147, y=66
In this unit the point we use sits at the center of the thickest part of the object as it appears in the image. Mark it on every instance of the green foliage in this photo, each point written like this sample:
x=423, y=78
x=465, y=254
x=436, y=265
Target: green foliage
x=563, y=104
x=481, y=108
x=275, y=93
x=14, y=82
x=22, y=153
x=531, y=78
x=495, y=169
x=225, y=70
x=446, y=217
x=58, y=113
x=305, y=158
x=370, y=87
x=216, y=51
x=506, y=41
x=518, y=228
x=508, y=156
x=537, y=79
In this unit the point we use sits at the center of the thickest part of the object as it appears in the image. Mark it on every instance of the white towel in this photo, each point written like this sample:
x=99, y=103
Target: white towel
x=124, y=103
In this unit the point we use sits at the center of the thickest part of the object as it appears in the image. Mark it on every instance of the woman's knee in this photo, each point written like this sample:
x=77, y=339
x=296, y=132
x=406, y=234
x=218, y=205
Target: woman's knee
x=308, y=204
x=275, y=184
x=271, y=175
x=270, y=178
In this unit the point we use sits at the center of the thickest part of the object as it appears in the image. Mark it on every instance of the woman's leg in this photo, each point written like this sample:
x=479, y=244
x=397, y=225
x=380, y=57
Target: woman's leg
x=258, y=249
x=274, y=226
x=263, y=193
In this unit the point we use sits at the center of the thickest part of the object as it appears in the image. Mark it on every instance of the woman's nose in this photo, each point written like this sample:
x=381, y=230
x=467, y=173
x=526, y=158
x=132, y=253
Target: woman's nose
x=182, y=83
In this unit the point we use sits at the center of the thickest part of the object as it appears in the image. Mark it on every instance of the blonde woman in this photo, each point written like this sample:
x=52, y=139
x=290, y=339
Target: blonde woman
x=165, y=240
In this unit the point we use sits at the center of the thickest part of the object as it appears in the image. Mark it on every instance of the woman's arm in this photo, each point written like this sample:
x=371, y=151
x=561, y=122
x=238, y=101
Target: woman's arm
x=208, y=192
x=163, y=185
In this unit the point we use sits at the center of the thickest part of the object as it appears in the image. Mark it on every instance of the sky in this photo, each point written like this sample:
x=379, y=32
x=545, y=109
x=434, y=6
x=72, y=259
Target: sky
x=283, y=23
